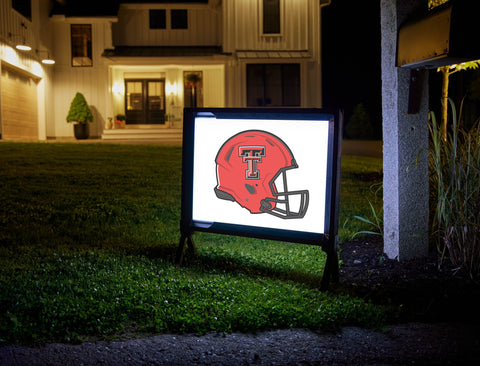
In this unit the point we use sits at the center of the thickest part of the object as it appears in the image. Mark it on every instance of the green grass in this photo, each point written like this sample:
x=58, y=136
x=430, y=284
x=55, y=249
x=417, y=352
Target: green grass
x=360, y=184
x=88, y=234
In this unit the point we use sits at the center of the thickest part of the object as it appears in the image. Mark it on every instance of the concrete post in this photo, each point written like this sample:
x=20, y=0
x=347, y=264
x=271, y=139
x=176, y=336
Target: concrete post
x=405, y=184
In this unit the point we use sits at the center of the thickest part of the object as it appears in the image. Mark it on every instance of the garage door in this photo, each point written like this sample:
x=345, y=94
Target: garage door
x=19, y=105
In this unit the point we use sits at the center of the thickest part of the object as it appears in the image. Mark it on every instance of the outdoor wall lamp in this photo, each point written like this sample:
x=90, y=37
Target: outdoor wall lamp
x=20, y=42
x=45, y=60
x=172, y=89
x=118, y=89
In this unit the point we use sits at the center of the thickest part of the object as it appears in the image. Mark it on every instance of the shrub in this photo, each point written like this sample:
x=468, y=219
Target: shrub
x=455, y=182
x=79, y=110
x=359, y=126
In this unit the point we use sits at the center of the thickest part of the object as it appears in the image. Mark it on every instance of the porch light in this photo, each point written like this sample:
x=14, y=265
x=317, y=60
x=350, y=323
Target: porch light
x=118, y=88
x=172, y=88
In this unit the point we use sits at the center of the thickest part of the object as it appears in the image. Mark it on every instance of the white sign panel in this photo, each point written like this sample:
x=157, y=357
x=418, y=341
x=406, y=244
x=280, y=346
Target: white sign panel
x=265, y=173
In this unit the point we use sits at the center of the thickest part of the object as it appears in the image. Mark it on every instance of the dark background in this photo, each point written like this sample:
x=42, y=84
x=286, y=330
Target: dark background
x=351, y=58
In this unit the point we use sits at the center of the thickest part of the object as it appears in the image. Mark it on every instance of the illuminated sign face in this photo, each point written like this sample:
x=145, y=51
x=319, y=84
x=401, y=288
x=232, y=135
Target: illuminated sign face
x=261, y=172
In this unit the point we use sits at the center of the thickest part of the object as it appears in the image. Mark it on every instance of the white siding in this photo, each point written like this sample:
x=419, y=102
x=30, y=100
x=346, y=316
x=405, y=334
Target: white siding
x=92, y=81
x=298, y=42
x=132, y=29
x=214, y=88
x=242, y=26
x=37, y=34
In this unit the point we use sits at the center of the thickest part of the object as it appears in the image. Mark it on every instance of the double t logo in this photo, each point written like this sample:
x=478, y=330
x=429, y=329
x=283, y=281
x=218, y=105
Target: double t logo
x=251, y=155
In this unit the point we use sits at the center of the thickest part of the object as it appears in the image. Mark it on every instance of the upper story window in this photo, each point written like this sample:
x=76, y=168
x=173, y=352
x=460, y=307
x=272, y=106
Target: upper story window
x=179, y=18
x=271, y=17
x=24, y=7
x=158, y=19
x=81, y=44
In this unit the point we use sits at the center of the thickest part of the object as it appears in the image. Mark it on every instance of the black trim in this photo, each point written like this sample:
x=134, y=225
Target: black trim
x=167, y=51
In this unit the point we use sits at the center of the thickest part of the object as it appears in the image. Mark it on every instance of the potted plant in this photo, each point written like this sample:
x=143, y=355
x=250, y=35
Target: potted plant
x=192, y=81
x=81, y=115
x=120, y=120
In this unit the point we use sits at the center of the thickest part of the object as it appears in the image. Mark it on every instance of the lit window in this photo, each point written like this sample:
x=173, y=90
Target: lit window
x=179, y=19
x=158, y=19
x=81, y=44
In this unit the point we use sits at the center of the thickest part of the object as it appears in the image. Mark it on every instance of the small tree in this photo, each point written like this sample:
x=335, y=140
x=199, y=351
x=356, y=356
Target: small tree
x=359, y=126
x=79, y=110
x=446, y=72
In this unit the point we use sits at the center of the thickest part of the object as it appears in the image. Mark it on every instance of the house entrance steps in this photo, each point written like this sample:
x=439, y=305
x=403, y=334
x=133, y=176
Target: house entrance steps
x=144, y=132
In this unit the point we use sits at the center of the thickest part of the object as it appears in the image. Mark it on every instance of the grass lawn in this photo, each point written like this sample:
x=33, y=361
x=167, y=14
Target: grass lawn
x=88, y=234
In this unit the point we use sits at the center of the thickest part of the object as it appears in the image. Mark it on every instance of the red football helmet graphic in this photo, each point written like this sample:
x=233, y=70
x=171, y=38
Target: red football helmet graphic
x=251, y=170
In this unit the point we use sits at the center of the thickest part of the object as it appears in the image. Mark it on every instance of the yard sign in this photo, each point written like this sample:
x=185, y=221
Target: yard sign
x=265, y=173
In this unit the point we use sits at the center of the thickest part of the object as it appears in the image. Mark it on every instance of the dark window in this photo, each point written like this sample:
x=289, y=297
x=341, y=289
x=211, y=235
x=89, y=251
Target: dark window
x=271, y=16
x=273, y=85
x=81, y=44
x=24, y=7
x=158, y=19
x=179, y=19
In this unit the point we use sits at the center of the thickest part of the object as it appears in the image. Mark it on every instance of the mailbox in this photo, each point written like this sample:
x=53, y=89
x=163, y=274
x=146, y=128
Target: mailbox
x=447, y=35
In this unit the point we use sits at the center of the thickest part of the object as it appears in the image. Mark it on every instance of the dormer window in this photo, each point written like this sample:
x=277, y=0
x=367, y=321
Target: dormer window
x=179, y=18
x=158, y=19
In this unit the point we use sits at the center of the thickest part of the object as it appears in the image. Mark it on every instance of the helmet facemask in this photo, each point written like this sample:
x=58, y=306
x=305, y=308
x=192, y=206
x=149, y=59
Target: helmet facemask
x=285, y=204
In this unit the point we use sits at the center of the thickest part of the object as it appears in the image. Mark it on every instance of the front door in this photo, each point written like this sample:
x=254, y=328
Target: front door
x=145, y=101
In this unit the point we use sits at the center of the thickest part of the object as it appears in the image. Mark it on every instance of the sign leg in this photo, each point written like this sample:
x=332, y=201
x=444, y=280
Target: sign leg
x=186, y=242
x=331, y=271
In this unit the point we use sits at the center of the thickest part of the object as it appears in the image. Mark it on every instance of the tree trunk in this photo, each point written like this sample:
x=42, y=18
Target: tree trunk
x=445, y=77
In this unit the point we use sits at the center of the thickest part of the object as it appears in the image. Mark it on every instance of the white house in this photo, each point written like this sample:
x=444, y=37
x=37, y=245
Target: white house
x=147, y=60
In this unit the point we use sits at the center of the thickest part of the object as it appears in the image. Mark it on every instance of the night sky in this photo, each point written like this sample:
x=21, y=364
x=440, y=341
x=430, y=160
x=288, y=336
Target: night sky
x=351, y=57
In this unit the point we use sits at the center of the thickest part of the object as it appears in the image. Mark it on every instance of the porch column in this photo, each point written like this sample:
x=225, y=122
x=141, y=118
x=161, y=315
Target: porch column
x=405, y=184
